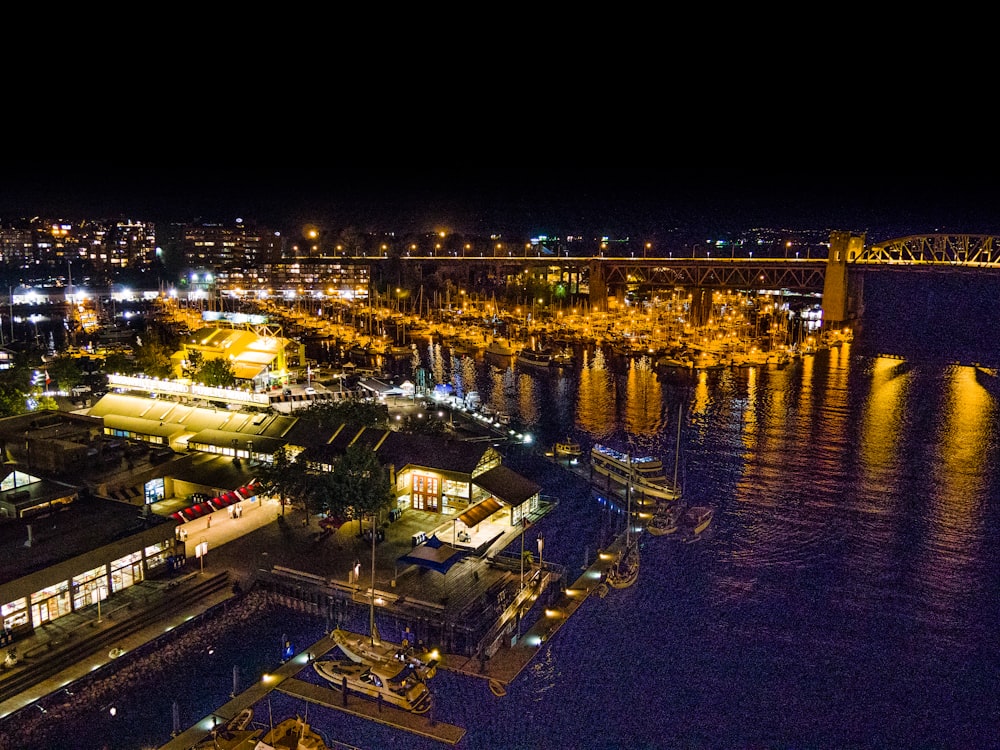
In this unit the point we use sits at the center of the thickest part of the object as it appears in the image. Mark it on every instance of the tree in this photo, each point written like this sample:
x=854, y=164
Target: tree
x=291, y=479
x=284, y=476
x=65, y=371
x=216, y=372
x=360, y=484
x=120, y=363
x=152, y=356
x=353, y=411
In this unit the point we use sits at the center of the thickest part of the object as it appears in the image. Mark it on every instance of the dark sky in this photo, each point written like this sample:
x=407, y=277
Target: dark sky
x=518, y=201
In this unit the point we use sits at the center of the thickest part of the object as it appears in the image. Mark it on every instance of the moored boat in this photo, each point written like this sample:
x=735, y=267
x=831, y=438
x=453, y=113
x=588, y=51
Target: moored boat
x=644, y=473
x=292, y=734
x=567, y=448
x=500, y=348
x=396, y=684
x=625, y=570
x=235, y=734
x=535, y=357
x=365, y=650
x=697, y=518
x=665, y=519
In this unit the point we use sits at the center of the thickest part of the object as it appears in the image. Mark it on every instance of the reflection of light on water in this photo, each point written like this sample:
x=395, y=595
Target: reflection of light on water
x=527, y=399
x=960, y=477
x=643, y=399
x=881, y=424
x=595, y=401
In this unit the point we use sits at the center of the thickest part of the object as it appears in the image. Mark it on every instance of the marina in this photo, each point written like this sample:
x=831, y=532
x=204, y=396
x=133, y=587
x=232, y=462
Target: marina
x=737, y=403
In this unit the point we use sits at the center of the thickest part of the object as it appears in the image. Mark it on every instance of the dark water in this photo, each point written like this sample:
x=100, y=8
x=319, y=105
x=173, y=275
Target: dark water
x=845, y=596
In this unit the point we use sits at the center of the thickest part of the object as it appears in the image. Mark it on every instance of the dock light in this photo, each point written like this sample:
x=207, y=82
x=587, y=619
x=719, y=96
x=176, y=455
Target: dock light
x=552, y=613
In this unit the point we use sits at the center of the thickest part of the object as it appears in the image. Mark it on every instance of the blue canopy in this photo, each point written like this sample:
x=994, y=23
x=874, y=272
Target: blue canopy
x=433, y=554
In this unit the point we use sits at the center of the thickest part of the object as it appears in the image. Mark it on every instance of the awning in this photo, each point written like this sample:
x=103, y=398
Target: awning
x=478, y=513
x=433, y=554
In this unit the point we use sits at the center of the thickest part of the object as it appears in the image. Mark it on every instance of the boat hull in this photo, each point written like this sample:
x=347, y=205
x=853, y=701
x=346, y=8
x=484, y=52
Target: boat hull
x=697, y=519
x=369, y=681
x=361, y=650
x=647, y=480
x=625, y=571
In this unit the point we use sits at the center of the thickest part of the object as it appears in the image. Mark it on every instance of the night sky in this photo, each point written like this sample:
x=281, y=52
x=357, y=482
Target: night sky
x=512, y=201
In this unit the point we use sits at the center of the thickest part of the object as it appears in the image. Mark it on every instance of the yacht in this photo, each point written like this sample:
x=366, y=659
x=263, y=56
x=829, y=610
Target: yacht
x=292, y=734
x=500, y=348
x=644, y=474
x=697, y=518
x=535, y=357
x=394, y=683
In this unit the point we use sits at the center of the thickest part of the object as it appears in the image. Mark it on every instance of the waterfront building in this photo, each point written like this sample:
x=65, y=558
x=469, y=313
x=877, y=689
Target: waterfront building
x=73, y=554
x=260, y=355
x=116, y=484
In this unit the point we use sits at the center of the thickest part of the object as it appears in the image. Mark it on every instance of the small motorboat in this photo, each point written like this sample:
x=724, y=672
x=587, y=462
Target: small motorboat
x=567, y=448
x=394, y=683
x=697, y=518
x=292, y=734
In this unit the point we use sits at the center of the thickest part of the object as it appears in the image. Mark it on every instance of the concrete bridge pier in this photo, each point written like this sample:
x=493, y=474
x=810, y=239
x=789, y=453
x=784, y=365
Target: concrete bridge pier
x=842, y=289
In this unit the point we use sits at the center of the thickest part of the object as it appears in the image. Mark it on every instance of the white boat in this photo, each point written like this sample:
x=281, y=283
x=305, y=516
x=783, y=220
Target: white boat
x=235, y=734
x=665, y=519
x=394, y=683
x=563, y=358
x=500, y=348
x=697, y=518
x=643, y=473
x=625, y=570
x=535, y=357
x=367, y=650
x=292, y=734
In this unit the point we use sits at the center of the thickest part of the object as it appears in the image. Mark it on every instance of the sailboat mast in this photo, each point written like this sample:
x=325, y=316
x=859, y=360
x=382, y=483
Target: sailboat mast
x=371, y=615
x=677, y=447
x=628, y=503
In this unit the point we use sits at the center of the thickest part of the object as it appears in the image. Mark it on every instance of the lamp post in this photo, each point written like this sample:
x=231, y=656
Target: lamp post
x=541, y=546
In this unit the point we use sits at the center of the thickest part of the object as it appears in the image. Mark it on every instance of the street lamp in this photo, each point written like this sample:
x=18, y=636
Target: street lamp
x=541, y=546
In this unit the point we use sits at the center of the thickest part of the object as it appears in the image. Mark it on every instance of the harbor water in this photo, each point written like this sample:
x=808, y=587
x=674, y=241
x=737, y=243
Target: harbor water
x=845, y=595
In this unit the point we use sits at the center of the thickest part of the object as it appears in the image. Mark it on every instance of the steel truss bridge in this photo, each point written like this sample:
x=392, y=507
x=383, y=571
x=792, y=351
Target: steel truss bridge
x=936, y=251
x=927, y=252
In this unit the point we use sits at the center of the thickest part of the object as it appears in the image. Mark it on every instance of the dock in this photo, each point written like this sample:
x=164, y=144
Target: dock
x=383, y=713
x=284, y=680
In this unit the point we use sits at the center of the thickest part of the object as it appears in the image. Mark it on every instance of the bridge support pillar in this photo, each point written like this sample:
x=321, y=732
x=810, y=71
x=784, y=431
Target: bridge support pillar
x=598, y=288
x=840, y=302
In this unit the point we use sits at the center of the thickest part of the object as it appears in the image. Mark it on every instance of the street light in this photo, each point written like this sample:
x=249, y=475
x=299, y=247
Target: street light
x=541, y=546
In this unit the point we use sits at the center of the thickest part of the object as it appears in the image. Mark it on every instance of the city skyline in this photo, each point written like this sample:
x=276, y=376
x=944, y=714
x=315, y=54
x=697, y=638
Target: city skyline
x=515, y=201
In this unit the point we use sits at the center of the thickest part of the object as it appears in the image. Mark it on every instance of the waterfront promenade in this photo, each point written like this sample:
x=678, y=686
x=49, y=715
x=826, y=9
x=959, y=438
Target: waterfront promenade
x=266, y=538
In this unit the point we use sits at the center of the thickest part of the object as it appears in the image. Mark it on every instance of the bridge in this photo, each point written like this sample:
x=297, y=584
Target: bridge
x=839, y=276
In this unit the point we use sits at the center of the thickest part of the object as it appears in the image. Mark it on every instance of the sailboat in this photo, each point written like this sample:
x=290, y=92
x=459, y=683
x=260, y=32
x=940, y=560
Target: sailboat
x=625, y=570
x=372, y=652
x=677, y=452
x=293, y=734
